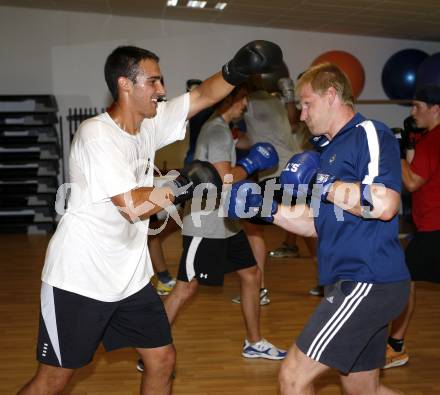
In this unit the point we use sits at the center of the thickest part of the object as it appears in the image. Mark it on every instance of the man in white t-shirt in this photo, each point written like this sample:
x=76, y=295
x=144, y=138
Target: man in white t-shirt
x=96, y=278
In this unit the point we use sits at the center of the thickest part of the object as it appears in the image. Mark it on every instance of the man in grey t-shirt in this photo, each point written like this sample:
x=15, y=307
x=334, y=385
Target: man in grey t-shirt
x=267, y=119
x=214, y=245
x=215, y=144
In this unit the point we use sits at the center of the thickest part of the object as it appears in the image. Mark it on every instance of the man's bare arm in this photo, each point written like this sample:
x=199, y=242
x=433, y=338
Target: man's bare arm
x=411, y=180
x=385, y=201
x=296, y=219
x=141, y=203
x=230, y=174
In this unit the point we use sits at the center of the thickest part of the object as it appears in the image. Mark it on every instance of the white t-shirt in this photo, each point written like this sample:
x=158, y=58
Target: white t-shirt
x=267, y=121
x=95, y=251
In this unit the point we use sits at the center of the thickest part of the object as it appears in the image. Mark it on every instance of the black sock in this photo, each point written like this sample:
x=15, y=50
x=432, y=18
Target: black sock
x=396, y=344
x=164, y=276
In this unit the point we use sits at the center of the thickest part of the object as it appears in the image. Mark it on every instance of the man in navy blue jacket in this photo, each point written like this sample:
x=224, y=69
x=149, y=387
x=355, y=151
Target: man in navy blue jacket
x=350, y=195
x=353, y=211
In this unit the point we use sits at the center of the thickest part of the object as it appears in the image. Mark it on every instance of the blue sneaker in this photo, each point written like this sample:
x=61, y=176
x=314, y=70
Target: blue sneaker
x=262, y=349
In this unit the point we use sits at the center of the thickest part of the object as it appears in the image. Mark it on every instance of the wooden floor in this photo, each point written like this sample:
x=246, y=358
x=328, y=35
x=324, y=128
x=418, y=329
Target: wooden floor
x=208, y=335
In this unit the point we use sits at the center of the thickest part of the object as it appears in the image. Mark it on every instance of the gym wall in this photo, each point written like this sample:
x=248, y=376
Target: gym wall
x=63, y=53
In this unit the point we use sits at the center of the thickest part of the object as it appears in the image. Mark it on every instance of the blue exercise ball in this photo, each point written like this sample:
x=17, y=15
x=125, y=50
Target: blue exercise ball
x=399, y=73
x=429, y=71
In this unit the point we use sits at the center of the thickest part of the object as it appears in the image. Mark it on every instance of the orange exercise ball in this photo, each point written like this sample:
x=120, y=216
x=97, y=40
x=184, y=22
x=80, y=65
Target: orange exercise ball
x=349, y=64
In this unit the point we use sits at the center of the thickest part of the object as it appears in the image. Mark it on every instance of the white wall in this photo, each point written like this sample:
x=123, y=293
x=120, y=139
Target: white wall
x=64, y=52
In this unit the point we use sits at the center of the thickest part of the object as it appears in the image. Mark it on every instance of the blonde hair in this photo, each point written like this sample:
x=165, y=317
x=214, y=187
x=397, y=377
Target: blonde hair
x=324, y=76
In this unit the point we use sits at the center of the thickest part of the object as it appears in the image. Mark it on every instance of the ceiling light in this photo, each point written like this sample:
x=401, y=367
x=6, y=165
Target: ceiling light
x=172, y=3
x=196, y=4
x=220, y=6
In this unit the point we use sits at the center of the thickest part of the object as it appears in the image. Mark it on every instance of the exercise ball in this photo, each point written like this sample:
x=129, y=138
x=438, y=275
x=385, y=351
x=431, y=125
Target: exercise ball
x=399, y=73
x=428, y=72
x=270, y=80
x=349, y=64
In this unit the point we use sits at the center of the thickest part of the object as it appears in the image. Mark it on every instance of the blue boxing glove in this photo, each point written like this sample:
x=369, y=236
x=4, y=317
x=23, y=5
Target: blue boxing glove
x=300, y=172
x=302, y=176
x=261, y=156
x=245, y=201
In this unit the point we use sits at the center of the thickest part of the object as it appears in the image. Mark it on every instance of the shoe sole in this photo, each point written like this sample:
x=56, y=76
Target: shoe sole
x=284, y=256
x=163, y=292
x=264, y=302
x=264, y=356
x=173, y=376
x=397, y=363
x=261, y=304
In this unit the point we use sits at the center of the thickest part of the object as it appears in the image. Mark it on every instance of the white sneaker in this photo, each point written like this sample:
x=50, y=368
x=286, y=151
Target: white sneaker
x=317, y=291
x=262, y=349
x=264, y=297
x=140, y=366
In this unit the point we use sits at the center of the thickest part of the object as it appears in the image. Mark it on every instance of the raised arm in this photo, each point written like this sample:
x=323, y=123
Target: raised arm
x=255, y=57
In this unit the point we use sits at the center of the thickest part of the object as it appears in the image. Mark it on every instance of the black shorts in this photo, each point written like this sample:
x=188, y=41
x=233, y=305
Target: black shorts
x=276, y=195
x=423, y=257
x=72, y=326
x=208, y=260
x=154, y=219
x=348, y=330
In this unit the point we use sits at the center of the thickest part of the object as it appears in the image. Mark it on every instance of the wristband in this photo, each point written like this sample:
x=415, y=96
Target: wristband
x=325, y=182
x=366, y=199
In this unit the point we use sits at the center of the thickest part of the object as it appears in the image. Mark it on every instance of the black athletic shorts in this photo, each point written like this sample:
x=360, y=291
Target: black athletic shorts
x=72, y=326
x=154, y=219
x=423, y=257
x=208, y=260
x=348, y=330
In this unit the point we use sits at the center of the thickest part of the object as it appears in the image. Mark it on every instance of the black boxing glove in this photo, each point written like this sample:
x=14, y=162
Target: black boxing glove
x=255, y=57
x=411, y=132
x=408, y=135
x=196, y=173
x=399, y=134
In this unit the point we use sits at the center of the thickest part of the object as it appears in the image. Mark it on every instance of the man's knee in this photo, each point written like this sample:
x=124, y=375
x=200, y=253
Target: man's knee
x=361, y=383
x=161, y=363
x=167, y=360
x=184, y=290
x=286, y=376
x=48, y=380
x=294, y=374
x=250, y=274
x=357, y=389
x=190, y=289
